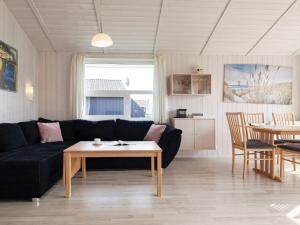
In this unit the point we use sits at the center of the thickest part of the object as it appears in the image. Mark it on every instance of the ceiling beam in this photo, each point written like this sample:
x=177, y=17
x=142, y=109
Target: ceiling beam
x=295, y=53
x=215, y=27
x=41, y=22
x=157, y=26
x=97, y=7
x=271, y=27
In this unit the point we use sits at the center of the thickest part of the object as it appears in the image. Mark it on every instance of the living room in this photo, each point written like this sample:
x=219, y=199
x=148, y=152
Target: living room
x=149, y=112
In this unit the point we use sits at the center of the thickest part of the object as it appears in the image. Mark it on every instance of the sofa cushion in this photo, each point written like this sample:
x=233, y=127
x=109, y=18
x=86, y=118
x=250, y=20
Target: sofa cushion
x=155, y=132
x=43, y=120
x=50, y=132
x=25, y=166
x=37, y=152
x=132, y=130
x=89, y=130
x=67, y=128
x=31, y=131
x=11, y=137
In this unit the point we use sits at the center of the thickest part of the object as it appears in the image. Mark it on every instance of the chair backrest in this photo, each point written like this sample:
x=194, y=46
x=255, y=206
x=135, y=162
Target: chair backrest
x=250, y=118
x=283, y=119
x=237, y=128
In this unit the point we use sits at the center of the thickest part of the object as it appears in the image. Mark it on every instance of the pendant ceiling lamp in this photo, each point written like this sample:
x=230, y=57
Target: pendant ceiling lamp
x=101, y=39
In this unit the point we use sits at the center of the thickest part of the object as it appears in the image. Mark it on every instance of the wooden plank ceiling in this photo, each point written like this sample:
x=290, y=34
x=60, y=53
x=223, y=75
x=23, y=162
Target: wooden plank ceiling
x=212, y=27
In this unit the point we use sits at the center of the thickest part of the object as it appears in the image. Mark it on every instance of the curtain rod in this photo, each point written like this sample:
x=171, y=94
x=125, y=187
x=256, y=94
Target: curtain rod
x=107, y=55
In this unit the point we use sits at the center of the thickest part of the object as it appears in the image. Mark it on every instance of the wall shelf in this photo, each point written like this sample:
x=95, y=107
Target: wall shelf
x=190, y=84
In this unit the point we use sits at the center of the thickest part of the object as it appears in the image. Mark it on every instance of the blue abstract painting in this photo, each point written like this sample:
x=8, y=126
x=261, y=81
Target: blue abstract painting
x=8, y=67
x=258, y=83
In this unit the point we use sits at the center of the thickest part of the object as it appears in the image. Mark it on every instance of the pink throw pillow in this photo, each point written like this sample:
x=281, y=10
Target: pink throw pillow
x=50, y=132
x=155, y=132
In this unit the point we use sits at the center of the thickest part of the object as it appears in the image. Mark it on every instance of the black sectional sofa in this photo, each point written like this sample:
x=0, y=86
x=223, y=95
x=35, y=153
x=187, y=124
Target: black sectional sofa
x=28, y=168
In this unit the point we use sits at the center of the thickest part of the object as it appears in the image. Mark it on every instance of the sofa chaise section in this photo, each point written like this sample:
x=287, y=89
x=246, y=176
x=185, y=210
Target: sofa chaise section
x=28, y=172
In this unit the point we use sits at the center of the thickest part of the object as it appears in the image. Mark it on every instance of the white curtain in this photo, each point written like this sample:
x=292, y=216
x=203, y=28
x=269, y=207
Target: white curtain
x=159, y=95
x=77, y=86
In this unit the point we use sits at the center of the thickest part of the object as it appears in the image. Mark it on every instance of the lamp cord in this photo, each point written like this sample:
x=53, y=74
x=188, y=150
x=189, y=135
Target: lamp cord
x=100, y=17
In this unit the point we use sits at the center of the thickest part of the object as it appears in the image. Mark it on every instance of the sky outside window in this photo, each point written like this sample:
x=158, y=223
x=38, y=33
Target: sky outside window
x=134, y=77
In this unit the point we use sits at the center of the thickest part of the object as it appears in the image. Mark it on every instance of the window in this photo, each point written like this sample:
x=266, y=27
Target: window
x=105, y=105
x=118, y=91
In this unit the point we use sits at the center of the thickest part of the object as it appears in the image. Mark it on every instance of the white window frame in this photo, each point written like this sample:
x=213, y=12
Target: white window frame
x=125, y=94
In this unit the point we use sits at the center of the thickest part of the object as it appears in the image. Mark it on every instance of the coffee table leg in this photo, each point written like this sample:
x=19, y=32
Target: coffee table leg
x=152, y=166
x=159, y=175
x=83, y=167
x=68, y=175
x=64, y=171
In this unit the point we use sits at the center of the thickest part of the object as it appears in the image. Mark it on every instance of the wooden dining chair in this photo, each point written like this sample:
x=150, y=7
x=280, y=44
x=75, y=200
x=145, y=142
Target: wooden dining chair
x=253, y=118
x=240, y=141
x=288, y=151
x=285, y=119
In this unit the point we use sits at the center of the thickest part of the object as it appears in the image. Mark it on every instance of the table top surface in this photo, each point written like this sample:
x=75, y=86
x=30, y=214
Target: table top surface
x=107, y=146
x=277, y=128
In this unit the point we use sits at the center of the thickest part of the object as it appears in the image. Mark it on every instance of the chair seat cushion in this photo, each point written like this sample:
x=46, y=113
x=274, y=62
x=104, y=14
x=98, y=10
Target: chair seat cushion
x=290, y=141
x=257, y=144
x=279, y=141
x=292, y=147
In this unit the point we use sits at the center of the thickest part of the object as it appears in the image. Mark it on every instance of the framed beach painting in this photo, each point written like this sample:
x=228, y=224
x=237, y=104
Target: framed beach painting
x=258, y=83
x=8, y=67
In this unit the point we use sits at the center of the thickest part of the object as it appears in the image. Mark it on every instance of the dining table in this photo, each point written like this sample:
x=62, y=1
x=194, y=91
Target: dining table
x=267, y=134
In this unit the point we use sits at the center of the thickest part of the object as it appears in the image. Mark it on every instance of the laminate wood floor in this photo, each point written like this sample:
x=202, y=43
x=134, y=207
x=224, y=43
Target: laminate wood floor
x=196, y=191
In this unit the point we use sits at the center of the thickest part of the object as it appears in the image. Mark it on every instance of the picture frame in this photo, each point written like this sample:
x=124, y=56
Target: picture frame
x=8, y=67
x=258, y=83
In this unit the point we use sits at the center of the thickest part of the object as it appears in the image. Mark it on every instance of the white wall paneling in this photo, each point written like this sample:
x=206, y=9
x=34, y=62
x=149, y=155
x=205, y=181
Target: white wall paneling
x=54, y=91
x=15, y=107
x=213, y=106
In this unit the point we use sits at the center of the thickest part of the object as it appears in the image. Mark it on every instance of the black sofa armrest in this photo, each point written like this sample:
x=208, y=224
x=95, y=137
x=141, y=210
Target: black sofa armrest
x=170, y=143
x=19, y=179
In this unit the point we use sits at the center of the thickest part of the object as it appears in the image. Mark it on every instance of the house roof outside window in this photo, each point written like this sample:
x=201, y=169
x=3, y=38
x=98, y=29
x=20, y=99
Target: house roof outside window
x=104, y=85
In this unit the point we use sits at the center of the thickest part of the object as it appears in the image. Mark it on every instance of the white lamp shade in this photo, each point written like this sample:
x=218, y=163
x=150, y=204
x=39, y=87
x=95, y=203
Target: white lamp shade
x=102, y=40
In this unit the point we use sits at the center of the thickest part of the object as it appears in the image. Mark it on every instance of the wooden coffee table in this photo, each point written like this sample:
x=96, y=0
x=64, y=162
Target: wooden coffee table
x=75, y=156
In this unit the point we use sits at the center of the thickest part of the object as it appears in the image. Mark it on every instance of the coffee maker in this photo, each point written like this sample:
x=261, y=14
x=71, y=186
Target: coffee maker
x=181, y=113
